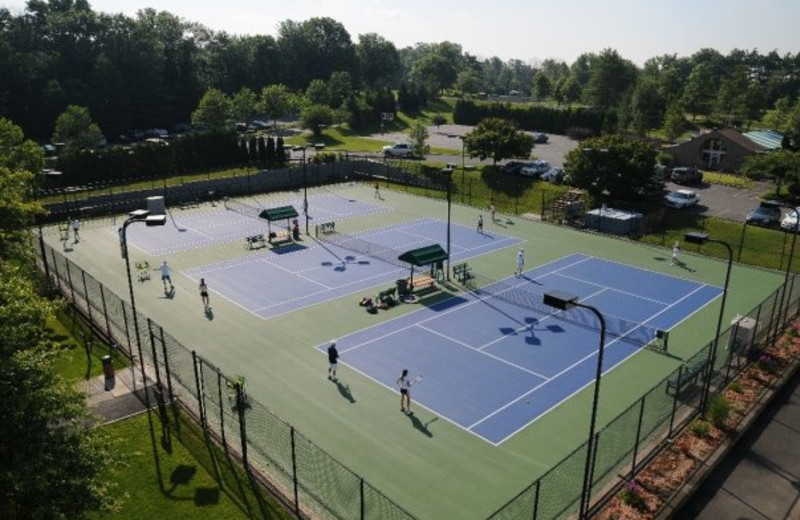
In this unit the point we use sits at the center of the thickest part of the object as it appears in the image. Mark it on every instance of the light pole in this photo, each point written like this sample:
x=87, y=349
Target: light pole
x=565, y=301
x=697, y=237
x=140, y=215
x=449, y=173
x=789, y=265
x=305, y=189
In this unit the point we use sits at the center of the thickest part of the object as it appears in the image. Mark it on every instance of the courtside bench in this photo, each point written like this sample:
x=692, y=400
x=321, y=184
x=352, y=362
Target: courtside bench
x=255, y=242
x=687, y=375
x=280, y=238
x=422, y=282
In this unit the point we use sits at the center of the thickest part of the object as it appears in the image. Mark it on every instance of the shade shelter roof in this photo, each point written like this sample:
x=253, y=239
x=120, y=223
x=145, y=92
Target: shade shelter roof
x=281, y=213
x=424, y=255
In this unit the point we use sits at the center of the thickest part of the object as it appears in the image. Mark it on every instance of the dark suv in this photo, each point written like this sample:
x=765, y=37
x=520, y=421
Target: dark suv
x=686, y=175
x=767, y=214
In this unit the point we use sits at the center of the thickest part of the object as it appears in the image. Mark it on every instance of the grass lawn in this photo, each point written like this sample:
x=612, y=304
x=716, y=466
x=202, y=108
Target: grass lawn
x=180, y=477
x=74, y=363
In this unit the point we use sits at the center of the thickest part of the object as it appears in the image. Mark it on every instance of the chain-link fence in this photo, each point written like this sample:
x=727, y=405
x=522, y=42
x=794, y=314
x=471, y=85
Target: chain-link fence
x=311, y=482
x=314, y=484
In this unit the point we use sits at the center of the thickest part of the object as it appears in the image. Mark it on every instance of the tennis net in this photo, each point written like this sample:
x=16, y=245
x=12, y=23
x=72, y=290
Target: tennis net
x=359, y=245
x=247, y=210
x=517, y=291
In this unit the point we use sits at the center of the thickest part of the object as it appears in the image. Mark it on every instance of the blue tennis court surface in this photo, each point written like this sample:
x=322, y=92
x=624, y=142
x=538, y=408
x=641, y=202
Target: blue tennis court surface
x=269, y=283
x=192, y=230
x=493, y=367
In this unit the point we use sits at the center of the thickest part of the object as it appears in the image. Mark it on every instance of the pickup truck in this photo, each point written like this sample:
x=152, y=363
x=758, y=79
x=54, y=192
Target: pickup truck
x=397, y=150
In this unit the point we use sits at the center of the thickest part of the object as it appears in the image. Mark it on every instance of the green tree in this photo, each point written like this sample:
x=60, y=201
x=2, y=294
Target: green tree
x=499, y=139
x=340, y=89
x=541, y=86
x=276, y=102
x=646, y=105
x=467, y=82
x=673, y=120
x=613, y=168
x=777, y=166
x=378, y=61
x=243, y=105
x=76, y=130
x=316, y=117
x=418, y=139
x=317, y=93
x=611, y=76
x=52, y=462
x=699, y=91
x=214, y=112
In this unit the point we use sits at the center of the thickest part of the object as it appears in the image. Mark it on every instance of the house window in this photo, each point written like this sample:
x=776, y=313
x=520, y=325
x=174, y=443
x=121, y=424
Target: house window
x=713, y=152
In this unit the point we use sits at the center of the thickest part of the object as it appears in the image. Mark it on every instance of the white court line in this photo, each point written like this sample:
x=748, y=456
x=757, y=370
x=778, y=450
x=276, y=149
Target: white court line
x=645, y=298
x=571, y=367
x=505, y=361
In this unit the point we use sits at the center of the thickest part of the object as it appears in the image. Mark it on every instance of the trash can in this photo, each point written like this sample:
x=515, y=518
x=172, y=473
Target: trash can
x=402, y=286
x=108, y=367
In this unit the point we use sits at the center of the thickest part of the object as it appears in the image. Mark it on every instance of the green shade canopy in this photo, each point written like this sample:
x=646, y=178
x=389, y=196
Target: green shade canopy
x=282, y=213
x=424, y=255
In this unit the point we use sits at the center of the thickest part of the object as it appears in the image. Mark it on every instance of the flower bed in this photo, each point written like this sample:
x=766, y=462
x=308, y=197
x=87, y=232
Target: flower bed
x=654, y=486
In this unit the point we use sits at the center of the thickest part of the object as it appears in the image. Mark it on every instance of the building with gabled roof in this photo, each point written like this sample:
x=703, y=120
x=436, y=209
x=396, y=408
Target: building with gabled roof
x=724, y=149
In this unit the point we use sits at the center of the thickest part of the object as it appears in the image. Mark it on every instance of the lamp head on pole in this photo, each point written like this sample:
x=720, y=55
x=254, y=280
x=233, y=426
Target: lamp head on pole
x=561, y=300
x=696, y=237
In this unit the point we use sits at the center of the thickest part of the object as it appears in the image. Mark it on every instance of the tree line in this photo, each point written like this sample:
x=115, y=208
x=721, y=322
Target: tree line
x=153, y=70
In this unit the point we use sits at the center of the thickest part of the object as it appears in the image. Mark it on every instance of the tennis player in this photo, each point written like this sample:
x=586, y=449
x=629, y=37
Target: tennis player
x=676, y=248
x=405, y=392
x=520, y=262
x=480, y=224
x=333, y=360
x=203, y=292
x=165, y=276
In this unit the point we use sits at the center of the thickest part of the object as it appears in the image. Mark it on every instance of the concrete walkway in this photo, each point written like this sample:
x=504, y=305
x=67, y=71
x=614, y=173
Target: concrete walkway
x=117, y=398
x=760, y=478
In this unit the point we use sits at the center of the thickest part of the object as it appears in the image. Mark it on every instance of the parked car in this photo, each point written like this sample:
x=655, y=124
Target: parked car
x=539, y=138
x=534, y=169
x=512, y=167
x=397, y=150
x=686, y=175
x=681, y=199
x=767, y=214
x=789, y=222
x=554, y=175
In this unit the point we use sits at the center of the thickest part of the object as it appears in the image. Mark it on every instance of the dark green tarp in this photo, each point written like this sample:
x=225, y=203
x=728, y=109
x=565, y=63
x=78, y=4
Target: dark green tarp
x=282, y=213
x=424, y=255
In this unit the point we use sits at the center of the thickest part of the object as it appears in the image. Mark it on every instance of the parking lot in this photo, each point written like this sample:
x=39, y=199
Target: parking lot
x=715, y=200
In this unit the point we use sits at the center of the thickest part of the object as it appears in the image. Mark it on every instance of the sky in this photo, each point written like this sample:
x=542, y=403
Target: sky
x=527, y=30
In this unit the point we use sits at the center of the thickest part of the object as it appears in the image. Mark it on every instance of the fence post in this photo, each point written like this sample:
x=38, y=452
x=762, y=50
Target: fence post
x=200, y=404
x=361, y=492
x=638, y=437
x=241, y=404
x=749, y=351
x=536, y=499
x=166, y=362
x=541, y=211
x=159, y=386
x=69, y=281
x=105, y=309
x=741, y=242
x=56, y=276
x=294, y=474
x=675, y=402
x=221, y=409
x=86, y=295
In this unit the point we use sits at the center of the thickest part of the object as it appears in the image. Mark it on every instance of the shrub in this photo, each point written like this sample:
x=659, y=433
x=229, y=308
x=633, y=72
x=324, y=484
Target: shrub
x=719, y=409
x=632, y=494
x=766, y=363
x=700, y=428
x=735, y=386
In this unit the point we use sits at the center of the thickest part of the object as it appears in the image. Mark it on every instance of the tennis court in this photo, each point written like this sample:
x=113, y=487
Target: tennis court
x=194, y=230
x=269, y=283
x=496, y=359
x=502, y=380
